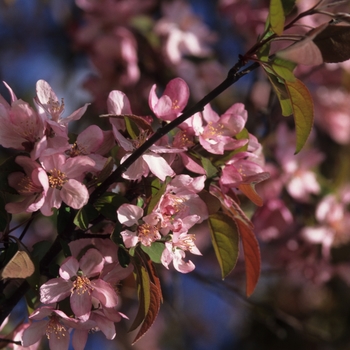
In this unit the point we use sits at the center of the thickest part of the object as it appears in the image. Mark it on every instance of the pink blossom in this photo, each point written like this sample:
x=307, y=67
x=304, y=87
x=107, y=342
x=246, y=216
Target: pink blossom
x=65, y=181
x=51, y=109
x=80, y=281
x=175, y=252
x=218, y=134
x=33, y=185
x=150, y=161
x=147, y=230
x=92, y=142
x=185, y=33
x=180, y=206
x=21, y=127
x=56, y=328
x=172, y=102
x=333, y=219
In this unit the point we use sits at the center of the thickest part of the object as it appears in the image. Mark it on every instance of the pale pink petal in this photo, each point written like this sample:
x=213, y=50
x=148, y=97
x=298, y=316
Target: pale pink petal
x=75, y=194
x=90, y=139
x=53, y=200
x=54, y=290
x=158, y=166
x=104, y=292
x=191, y=165
x=118, y=103
x=79, y=339
x=59, y=340
x=163, y=108
x=45, y=93
x=76, y=115
x=69, y=268
x=12, y=94
x=113, y=273
x=81, y=304
x=107, y=327
x=152, y=97
x=138, y=169
x=34, y=333
x=122, y=141
x=76, y=167
x=179, y=92
x=180, y=265
x=209, y=115
x=129, y=214
x=91, y=263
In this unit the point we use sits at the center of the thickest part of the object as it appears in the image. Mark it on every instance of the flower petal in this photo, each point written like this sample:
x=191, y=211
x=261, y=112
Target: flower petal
x=55, y=290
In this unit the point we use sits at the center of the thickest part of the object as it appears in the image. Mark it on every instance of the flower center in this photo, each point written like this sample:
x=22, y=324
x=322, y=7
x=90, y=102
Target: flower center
x=213, y=130
x=76, y=150
x=57, y=178
x=81, y=285
x=55, y=327
x=55, y=108
x=148, y=234
x=175, y=104
x=186, y=243
x=27, y=187
x=141, y=138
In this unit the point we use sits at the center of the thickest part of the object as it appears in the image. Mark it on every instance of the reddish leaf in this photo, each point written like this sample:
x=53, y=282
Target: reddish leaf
x=250, y=243
x=251, y=256
x=150, y=295
x=143, y=283
x=248, y=188
x=152, y=312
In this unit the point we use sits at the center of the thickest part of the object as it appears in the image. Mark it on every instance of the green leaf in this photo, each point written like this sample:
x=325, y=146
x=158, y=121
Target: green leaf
x=209, y=168
x=281, y=92
x=284, y=69
x=85, y=215
x=108, y=204
x=303, y=111
x=276, y=16
x=154, y=251
x=225, y=239
x=132, y=128
x=150, y=295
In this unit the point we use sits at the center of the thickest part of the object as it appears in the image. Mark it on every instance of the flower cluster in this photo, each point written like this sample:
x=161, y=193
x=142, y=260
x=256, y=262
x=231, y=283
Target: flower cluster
x=51, y=169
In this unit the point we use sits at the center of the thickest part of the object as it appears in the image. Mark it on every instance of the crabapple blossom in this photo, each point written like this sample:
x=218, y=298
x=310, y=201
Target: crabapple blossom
x=175, y=251
x=218, y=134
x=55, y=327
x=21, y=127
x=184, y=32
x=150, y=161
x=333, y=219
x=146, y=233
x=33, y=185
x=172, y=102
x=65, y=181
x=180, y=206
x=80, y=280
x=300, y=180
x=51, y=109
